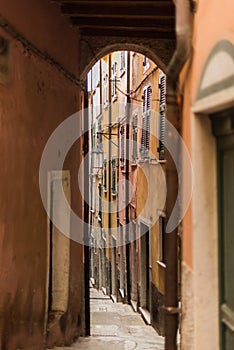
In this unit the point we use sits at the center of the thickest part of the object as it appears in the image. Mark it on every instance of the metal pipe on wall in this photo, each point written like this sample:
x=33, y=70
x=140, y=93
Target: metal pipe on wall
x=86, y=215
x=109, y=176
x=127, y=233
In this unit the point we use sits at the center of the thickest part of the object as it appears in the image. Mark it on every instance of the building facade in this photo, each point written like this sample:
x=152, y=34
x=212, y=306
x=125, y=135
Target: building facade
x=208, y=90
x=41, y=269
x=130, y=183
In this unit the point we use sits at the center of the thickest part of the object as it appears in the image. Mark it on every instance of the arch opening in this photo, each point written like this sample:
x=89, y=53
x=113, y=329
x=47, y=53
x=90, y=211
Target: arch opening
x=126, y=98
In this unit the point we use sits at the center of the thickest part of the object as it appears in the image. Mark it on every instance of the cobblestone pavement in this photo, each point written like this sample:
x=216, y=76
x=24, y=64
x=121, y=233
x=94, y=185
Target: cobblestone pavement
x=115, y=326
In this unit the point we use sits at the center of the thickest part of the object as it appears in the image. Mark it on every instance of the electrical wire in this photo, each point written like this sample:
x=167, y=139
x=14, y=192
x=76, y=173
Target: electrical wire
x=133, y=98
x=31, y=47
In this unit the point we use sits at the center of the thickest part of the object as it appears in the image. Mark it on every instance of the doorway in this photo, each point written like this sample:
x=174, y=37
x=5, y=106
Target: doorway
x=223, y=129
x=144, y=267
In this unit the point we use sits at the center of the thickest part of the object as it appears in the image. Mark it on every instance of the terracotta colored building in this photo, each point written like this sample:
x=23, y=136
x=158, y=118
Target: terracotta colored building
x=128, y=247
x=207, y=85
x=43, y=64
x=41, y=302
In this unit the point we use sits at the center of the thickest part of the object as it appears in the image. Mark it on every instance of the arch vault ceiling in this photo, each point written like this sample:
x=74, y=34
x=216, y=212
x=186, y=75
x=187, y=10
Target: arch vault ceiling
x=119, y=24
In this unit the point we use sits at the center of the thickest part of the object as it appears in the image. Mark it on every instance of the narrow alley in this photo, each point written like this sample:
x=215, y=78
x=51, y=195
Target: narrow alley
x=117, y=169
x=116, y=326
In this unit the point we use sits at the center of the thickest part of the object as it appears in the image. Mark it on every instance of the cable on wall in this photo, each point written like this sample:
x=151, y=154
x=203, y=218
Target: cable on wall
x=29, y=46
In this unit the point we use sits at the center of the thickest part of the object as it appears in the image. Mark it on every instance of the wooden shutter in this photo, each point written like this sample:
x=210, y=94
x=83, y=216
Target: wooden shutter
x=114, y=79
x=113, y=176
x=134, y=138
x=162, y=114
x=144, y=100
x=106, y=91
x=148, y=97
x=104, y=175
x=122, y=63
x=147, y=133
x=122, y=144
x=99, y=136
x=100, y=201
x=143, y=134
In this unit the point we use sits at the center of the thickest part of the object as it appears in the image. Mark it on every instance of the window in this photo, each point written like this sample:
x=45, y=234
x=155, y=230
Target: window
x=122, y=62
x=94, y=135
x=121, y=261
x=145, y=135
x=122, y=145
x=133, y=263
x=146, y=98
x=113, y=188
x=96, y=88
x=162, y=114
x=114, y=80
x=161, y=237
x=105, y=90
x=100, y=202
x=99, y=136
x=104, y=175
x=146, y=63
x=134, y=138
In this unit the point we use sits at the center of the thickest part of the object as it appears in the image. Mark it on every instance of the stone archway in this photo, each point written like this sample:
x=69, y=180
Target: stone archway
x=94, y=48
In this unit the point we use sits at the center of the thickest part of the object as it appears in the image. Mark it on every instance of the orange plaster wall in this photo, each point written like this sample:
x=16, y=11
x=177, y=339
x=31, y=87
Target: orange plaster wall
x=36, y=99
x=213, y=22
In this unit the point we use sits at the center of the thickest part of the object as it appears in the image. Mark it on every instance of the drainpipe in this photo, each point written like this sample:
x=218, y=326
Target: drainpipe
x=127, y=233
x=109, y=178
x=182, y=52
x=86, y=216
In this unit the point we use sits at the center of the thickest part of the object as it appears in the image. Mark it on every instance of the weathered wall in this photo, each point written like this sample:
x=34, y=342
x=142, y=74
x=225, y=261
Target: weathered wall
x=32, y=104
x=200, y=232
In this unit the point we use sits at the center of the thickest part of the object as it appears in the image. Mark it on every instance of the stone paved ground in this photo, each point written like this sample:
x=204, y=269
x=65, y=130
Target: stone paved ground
x=115, y=326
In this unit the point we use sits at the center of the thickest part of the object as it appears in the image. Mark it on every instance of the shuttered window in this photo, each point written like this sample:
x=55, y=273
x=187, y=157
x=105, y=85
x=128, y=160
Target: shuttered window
x=145, y=134
x=99, y=136
x=114, y=80
x=123, y=61
x=146, y=98
x=162, y=114
x=104, y=175
x=100, y=202
x=113, y=187
x=94, y=135
x=122, y=132
x=146, y=63
x=134, y=138
x=105, y=91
